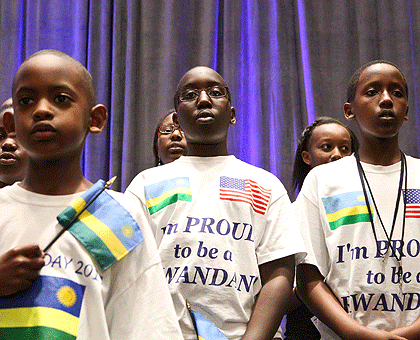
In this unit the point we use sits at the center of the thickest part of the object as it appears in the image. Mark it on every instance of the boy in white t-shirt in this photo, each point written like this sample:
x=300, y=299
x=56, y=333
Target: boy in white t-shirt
x=224, y=229
x=66, y=292
x=360, y=277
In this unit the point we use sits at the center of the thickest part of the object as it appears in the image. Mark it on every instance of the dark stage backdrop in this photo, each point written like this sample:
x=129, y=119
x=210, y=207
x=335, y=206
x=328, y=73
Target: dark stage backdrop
x=285, y=61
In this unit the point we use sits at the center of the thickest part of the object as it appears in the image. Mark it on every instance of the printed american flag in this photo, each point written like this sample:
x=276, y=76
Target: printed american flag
x=413, y=203
x=245, y=190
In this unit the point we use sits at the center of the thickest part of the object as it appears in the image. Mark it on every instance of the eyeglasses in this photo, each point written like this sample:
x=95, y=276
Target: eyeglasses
x=212, y=91
x=169, y=129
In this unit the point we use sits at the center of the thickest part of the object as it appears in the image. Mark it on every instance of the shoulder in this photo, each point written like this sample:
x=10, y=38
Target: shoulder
x=412, y=161
x=257, y=174
x=338, y=168
x=329, y=177
x=150, y=175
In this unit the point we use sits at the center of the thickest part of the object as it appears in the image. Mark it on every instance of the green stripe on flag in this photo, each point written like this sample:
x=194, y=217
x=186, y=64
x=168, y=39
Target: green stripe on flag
x=170, y=200
x=96, y=247
x=350, y=219
x=34, y=333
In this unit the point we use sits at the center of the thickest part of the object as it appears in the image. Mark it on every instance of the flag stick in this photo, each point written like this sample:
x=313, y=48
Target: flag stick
x=106, y=186
x=192, y=317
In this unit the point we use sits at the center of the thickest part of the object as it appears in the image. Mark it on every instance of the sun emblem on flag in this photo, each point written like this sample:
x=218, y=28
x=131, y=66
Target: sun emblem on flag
x=67, y=296
x=127, y=230
x=360, y=198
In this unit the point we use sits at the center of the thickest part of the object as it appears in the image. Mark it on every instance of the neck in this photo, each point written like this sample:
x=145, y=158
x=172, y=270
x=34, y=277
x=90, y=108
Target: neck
x=55, y=177
x=207, y=150
x=380, y=151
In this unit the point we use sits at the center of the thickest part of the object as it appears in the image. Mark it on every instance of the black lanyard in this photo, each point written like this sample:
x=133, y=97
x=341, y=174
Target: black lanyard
x=363, y=179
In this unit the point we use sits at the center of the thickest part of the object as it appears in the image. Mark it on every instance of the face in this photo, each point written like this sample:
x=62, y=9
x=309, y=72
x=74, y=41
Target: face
x=328, y=143
x=204, y=120
x=13, y=157
x=171, y=146
x=380, y=104
x=52, y=114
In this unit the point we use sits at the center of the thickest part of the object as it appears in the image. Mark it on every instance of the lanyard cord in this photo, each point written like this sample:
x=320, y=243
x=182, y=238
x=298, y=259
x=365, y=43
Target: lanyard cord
x=363, y=178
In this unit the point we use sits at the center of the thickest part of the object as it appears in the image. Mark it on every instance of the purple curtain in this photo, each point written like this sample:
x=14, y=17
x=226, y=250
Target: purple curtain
x=285, y=61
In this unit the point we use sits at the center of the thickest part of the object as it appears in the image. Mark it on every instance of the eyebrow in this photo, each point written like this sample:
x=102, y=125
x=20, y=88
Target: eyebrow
x=60, y=87
x=193, y=85
x=378, y=83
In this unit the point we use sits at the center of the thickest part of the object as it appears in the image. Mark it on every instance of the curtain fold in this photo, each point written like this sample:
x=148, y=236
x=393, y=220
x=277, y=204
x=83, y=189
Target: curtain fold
x=286, y=63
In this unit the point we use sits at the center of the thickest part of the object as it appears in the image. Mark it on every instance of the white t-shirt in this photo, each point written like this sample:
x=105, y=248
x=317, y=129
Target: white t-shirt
x=130, y=300
x=216, y=219
x=343, y=247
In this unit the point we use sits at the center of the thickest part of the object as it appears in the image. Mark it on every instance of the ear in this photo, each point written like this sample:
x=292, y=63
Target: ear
x=348, y=111
x=233, y=116
x=306, y=157
x=97, y=119
x=8, y=122
x=175, y=118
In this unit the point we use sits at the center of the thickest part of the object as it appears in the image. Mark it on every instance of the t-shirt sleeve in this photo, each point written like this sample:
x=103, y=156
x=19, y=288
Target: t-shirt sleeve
x=281, y=236
x=308, y=216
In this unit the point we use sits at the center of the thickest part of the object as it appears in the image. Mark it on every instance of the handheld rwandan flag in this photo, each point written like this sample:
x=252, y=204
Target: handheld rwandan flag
x=105, y=228
x=160, y=195
x=49, y=309
x=206, y=330
x=346, y=208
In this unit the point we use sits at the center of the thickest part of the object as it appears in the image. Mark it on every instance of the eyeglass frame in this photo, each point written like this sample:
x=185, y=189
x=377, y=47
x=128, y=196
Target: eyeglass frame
x=177, y=98
x=175, y=127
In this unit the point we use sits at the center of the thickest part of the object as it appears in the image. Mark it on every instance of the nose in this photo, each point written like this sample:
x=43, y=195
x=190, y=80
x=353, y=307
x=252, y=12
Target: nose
x=43, y=110
x=177, y=134
x=9, y=145
x=203, y=99
x=385, y=99
x=336, y=154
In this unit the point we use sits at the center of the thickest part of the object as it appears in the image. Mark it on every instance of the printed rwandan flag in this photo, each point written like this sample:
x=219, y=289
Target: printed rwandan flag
x=49, y=309
x=105, y=228
x=160, y=195
x=206, y=330
x=346, y=208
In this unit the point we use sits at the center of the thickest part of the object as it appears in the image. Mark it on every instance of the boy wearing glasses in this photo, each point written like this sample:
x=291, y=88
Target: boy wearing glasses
x=224, y=234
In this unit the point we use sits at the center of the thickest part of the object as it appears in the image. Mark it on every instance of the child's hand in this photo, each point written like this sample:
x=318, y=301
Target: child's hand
x=19, y=267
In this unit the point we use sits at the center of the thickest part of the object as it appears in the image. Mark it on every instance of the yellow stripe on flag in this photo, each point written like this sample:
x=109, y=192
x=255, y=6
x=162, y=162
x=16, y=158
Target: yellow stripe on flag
x=78, y=204
x=154, y=201
x=39, y=316
x=105, y=234
x=362, y=209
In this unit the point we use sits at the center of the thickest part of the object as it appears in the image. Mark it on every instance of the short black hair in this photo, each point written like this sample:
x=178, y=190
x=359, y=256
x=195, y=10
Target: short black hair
x=354, y=80
x=87, y=77
x=300, y=168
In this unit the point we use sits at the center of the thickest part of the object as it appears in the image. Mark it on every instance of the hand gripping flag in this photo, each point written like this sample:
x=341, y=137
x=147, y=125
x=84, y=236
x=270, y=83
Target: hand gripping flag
x=205, y=329
x=49, y=309
x=105, y=227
